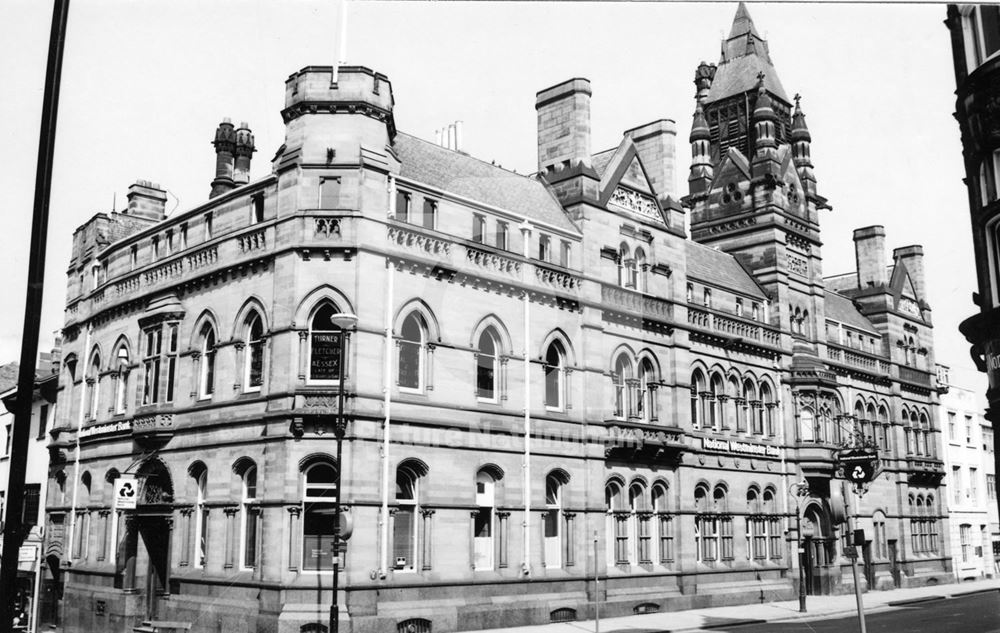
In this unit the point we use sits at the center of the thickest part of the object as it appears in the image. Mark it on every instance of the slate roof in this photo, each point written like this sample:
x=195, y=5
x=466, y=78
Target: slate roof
x=840, y=308
x=707, y=264
x=461, y=174
x=744, y=56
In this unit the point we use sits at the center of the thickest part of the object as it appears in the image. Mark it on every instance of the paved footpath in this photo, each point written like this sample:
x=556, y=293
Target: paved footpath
x=818, y=608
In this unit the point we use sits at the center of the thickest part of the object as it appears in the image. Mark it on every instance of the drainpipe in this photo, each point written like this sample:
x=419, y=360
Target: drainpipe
x=526, y=565
x=387, y=395
x=79, y=425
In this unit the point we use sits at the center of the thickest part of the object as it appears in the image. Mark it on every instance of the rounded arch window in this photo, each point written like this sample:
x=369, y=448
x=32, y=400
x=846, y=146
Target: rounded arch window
x=206, y=378
x=483, y=520
x=93, y=386
x=621, y=377
x=249, y=519
x=121, y=386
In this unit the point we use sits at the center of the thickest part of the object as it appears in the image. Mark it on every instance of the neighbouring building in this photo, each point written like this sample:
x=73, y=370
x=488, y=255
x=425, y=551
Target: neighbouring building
x=542, y=365
x=972, y=483
x=975, y=42
x=31, y=565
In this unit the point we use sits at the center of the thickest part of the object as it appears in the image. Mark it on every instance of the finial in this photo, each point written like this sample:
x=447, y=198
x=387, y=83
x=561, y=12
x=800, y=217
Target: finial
x=797, y=98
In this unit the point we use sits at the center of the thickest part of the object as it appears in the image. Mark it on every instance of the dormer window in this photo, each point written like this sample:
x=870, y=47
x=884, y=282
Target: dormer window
x=544, y=248
x=478, y=228
x=257, y=208
x=501, y=242
x=708, y=298
x=429, y=219
x=402, y=206
x=739, y=307
x=156, y=246
x=755, y=307
x=690, y=293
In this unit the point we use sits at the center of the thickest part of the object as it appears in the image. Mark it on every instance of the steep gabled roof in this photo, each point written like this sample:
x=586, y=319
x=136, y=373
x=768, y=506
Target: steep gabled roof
x=840, y=308
x=706, y=264
x=744, y=55
x=463, y=175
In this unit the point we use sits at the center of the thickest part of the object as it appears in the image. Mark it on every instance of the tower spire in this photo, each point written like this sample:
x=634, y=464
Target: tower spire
x=702, y=171
x=765, y=159
x=801, y=141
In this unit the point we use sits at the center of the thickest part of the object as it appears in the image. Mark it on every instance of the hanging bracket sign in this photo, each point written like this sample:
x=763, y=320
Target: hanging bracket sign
x=858, y=465
x=126, y=492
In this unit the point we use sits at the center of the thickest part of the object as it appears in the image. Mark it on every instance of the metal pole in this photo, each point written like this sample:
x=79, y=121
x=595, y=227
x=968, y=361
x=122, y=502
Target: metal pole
x=13, y=529
x=854, y=565
x=339, y=432
x=802, y=558
x=597, y=590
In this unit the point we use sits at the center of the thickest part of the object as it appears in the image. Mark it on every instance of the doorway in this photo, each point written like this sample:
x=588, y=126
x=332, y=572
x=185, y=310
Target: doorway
x=894, y=564
x=866, y=553
x=155, y=536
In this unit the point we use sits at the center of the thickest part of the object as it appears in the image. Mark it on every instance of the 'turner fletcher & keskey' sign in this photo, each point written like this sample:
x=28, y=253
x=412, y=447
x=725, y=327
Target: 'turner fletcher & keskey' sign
x=740, y=448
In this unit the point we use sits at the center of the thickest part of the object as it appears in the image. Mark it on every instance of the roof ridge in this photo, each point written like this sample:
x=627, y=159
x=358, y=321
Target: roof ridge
x=465, y=154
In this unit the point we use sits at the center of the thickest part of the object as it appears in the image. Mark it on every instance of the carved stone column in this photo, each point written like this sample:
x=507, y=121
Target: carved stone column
x=195, y=375
x=131, y=549
x=429, y=370
x=294, y=537
x=105, y=532
x=428, y=515
x=472, y=538
x=240, y=348
x=230, y=544
x=303, y=356
x=570, y=551
x=567, y=388
x=187, y=529
x=503, y=518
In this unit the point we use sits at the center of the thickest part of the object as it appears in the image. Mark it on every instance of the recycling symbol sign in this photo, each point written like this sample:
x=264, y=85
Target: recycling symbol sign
x=126, y=492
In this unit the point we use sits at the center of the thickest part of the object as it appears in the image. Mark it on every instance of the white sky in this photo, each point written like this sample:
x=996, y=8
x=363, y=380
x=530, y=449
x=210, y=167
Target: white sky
x=145, y=83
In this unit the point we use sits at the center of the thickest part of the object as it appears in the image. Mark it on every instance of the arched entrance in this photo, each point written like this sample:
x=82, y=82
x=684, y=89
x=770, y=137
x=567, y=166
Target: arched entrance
x=145, y=567
x=820, y=550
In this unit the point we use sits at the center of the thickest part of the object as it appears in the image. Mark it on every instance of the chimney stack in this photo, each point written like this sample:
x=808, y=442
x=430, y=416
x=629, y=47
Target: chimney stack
x=244, y=152
x=225, y=148
x=913, y=258
x=869, y=251
x=146, y=200
x=564, y=125
x=458, y=136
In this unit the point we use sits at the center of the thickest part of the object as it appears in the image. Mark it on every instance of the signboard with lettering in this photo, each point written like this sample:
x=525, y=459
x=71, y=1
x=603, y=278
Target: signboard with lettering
x=324, y=360
x=739, y=447
x=126, y=492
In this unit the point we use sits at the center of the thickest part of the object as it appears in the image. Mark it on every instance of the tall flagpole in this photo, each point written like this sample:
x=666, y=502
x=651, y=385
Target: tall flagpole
x=13, y=529
x=342, y=50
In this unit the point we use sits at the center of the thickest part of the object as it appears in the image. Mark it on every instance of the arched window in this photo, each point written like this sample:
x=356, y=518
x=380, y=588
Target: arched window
x=483, y=521
x=715, y=406
x=647, y=391
x=622, y=377
x=879, y=537
x=93, y=386
x=325, y=339
x=732, y=418
x=697, y=389
x=404, y=522
x=121, y=385
x=690, y=293
x=721, y=509
x=626, y=267
x=200, y=476
x=487, y=365
x=773, y=525
x=639, y=525
x=749, y=397
x=555, y=369
x=320, y=488
x=884, y=429
x=664, y=524
x=765, y=412
x=617, y=527
x=925, y=434
x=412, y=352
x=640, y=270
x=707, y=298
x=249, y=519
x=206, y=381
x=706, y=528
x=756, y=527
x=253, y=372
x=553, y=520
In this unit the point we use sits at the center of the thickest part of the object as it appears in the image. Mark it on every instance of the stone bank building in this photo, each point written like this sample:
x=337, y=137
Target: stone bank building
x=543, y=367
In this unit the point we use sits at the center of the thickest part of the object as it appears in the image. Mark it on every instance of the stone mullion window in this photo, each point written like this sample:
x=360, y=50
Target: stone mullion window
x=503, y=521
x=665, y=534
x=231, y=541
x=769, y=426
x=294, y=537
x=756, y=418
x=569, y=553
x=632, y=399
x=705, y=402
x=427, y=515
x=644, y=535
x=740, y=404
x=653, y=402
x=187, y=528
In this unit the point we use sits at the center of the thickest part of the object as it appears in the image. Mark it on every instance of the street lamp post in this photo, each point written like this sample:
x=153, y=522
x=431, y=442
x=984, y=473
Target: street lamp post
x=799, y=491
x=343, y=321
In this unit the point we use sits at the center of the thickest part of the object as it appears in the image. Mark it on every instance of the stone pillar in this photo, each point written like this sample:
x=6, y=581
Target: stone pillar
x=294, y=537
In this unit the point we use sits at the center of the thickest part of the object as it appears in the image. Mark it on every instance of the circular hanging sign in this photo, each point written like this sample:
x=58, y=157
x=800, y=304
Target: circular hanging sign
x=858, y=466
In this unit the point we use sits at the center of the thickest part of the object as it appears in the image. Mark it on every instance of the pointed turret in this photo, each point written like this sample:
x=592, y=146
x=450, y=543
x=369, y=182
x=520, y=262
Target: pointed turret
x=765, y=159
x=801, y=140
x=700, y=178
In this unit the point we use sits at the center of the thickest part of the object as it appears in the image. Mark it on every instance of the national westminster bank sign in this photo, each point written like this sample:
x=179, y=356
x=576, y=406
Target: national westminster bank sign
x=737, y=447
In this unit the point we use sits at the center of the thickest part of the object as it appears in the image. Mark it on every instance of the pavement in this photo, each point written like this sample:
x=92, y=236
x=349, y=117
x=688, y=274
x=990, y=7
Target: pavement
x=817, y=608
